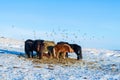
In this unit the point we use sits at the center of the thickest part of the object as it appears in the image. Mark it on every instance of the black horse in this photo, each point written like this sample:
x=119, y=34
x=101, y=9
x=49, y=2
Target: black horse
x=29, y=48
x=77, y=49
x=34, y=45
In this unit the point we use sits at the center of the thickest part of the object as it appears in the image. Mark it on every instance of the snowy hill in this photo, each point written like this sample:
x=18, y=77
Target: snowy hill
x=97, y=64
x=7, y=43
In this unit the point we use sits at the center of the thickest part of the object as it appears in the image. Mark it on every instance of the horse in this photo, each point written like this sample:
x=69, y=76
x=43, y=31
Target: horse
x=29, y=48
x=48, y=48
x=38, y=46
x=34, y=45
x=61, y=48
x=64, y=43
x=77, y=49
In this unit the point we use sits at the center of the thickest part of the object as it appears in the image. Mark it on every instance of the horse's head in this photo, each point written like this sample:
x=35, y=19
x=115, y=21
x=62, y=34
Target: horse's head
x=77, y=49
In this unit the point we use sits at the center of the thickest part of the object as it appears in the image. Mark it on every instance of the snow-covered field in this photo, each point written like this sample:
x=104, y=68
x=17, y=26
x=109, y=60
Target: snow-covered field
x=97, y=64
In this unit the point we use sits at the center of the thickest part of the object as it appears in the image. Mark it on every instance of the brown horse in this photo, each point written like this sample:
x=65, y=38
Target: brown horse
x=61, y=48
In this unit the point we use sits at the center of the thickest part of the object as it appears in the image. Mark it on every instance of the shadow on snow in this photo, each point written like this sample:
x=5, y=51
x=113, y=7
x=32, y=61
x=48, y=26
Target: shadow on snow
x=2, y=51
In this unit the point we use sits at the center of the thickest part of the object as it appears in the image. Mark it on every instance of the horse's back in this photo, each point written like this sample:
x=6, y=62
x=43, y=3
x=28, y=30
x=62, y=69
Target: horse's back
x=62, y=42
x=38, y=44
x=49, y=43
x=76, y=47
x=63, y=47
x=48, y=46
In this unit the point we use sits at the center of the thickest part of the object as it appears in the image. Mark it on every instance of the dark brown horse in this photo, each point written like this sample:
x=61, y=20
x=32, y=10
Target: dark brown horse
x=61, y=48
x=38, y=46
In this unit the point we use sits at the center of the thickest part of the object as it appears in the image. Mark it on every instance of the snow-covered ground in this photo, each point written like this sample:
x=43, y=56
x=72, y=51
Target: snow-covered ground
x=97, y=64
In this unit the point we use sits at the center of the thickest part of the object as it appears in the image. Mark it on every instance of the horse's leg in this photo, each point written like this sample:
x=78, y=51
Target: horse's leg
x=57, y=55
x=40, y=55
x=66, y=58
x=66, y=55
x=79, y=54
x=54, y=53
x=37, y=54
x=28, y=54
x=32, y=53
x=49, y=53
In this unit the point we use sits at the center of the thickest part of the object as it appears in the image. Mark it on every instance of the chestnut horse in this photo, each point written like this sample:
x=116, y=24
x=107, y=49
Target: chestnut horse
x=61, y=48
x=77, y=49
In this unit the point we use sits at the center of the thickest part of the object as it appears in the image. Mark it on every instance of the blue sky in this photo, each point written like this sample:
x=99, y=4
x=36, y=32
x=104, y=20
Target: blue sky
x=90, y=23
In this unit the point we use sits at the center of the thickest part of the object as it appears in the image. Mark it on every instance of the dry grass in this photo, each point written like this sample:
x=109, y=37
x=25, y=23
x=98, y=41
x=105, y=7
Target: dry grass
x=51, y=62
x=45, y=60
x=64, y=62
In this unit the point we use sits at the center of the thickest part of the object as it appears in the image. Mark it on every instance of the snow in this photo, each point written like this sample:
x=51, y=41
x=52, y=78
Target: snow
x=97, y=64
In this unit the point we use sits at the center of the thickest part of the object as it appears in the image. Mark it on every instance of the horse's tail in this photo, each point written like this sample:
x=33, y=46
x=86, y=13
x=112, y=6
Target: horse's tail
x=70, y=49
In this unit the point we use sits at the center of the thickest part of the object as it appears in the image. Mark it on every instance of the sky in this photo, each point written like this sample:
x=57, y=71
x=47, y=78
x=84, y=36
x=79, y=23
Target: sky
x=89, y=23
